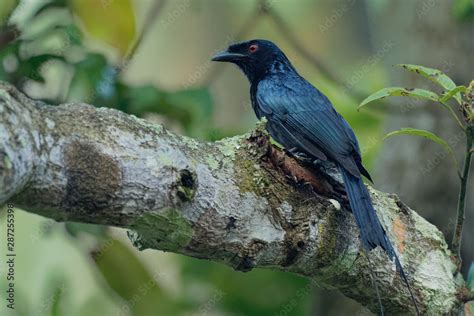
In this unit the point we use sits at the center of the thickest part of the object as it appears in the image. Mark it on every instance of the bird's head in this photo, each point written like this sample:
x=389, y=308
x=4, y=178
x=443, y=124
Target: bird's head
x=257, y=58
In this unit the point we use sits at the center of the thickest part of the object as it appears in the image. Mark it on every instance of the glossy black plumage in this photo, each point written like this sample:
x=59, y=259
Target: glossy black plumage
x=300, y=116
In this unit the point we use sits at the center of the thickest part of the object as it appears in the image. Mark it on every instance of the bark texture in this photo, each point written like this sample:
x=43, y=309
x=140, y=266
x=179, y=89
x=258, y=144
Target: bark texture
x=239, y=201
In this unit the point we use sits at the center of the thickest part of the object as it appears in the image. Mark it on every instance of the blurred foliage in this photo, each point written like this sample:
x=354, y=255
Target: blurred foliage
x=120, y=33
x=95, y=79
x=259, y=292
x=464, y=9
x=5, y=10
x=125, y=275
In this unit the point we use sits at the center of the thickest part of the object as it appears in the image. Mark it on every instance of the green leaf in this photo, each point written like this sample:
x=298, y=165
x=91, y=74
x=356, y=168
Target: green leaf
x=464, y=9
x=397, y=91
x=453, y=92
x=31, y=68
x=428, y=135
x=110, y=21
x=11, y=51
x=74, y=34
x=435, y=75
x=88, y=73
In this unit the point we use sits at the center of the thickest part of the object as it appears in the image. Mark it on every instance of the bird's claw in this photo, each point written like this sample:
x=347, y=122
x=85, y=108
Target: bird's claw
x=299, y=155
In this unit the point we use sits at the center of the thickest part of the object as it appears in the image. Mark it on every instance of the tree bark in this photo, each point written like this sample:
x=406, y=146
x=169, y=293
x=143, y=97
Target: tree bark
x=239, y=201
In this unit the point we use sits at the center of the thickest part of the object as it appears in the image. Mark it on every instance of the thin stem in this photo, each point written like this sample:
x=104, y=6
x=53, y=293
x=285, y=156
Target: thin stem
x=450, y=109
x=151, y=17
x=456, y=243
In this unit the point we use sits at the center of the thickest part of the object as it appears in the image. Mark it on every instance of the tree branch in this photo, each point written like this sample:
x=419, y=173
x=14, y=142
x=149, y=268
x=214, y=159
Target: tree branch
x=239, y=201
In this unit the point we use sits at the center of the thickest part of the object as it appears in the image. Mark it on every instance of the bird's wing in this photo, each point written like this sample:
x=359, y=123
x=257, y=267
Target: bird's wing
x=310, y=117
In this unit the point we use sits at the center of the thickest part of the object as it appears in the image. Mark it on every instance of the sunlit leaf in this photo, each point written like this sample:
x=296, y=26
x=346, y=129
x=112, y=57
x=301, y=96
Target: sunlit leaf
x=112, y=21
x=425, y=134
x=435, y=75
x=453, y=92
x=398, y=91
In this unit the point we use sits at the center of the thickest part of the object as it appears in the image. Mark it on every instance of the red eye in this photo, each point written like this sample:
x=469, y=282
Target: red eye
x=253, y=48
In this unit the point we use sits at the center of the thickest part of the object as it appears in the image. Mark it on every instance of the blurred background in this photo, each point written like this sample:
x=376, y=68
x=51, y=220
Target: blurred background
x=151, y=59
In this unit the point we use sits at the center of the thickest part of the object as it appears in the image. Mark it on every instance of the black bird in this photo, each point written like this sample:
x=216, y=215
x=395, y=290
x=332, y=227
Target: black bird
x=302, y=119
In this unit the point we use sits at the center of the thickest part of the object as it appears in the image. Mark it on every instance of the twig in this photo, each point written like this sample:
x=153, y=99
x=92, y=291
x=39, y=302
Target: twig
x=457, y=236
x=152, y=15
x=450, y=109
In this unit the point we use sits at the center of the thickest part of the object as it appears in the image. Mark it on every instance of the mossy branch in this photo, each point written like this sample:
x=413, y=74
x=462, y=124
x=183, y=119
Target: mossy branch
x=239, y=201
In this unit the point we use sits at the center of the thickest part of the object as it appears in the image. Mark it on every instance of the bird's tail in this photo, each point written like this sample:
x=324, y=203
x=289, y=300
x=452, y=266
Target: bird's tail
x=372, y=234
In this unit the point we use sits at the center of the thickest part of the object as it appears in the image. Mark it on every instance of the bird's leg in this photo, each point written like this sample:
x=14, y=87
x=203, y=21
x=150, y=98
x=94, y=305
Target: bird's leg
x=325, y=185
x=322, y=165
x=291, y=151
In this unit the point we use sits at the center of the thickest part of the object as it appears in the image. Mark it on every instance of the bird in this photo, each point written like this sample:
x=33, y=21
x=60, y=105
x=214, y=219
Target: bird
x=303, y=120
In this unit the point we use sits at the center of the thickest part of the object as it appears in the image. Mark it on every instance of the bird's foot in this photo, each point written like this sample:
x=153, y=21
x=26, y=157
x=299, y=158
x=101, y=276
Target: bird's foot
x=299, y=155
x=322, y=165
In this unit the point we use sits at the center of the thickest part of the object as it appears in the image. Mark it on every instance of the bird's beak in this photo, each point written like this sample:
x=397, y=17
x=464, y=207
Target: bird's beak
x=227, y=56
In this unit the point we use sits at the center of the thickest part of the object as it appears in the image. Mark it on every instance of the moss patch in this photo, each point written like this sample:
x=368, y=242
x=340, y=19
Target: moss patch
x=166, y=230
x=187, y=185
